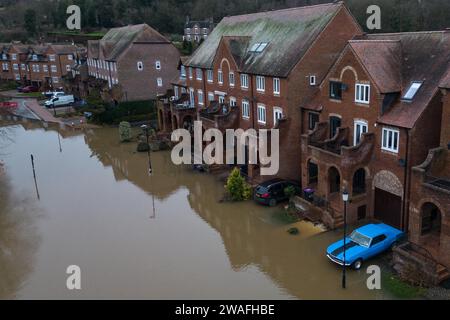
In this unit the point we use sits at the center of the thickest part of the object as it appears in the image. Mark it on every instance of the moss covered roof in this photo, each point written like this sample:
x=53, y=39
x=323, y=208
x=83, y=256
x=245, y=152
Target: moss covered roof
x=289, y=32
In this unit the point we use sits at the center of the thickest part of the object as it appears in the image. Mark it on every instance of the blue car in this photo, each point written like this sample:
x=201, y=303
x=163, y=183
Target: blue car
x=363, y=244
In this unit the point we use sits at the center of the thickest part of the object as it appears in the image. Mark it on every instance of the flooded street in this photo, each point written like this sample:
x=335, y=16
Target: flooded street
x=140, y=237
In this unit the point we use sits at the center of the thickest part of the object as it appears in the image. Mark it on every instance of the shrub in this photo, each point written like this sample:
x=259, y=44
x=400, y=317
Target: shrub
x=125, y=131
x=237, y=188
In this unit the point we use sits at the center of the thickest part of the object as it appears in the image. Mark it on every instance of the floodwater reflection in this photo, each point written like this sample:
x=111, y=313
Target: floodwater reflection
x=98, y=201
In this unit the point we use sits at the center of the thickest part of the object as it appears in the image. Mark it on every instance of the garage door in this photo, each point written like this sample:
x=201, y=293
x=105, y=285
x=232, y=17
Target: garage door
x=388, y=208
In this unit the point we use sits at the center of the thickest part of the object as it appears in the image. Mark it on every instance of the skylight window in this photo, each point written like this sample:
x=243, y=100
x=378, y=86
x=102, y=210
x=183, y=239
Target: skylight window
x=259, y=47
x=412, y=91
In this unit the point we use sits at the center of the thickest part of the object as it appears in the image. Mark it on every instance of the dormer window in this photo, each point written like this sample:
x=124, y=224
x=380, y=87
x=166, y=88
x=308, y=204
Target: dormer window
x=412, y=91
x=51, y=57
x=14, y=56
x=183, y=72
x=4, y=56
x=35, y=57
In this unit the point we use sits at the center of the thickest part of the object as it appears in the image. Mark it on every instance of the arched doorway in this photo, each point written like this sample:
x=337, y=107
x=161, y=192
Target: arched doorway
x=431, y=220
x=188, y=123
x=359, y=182
x=388, y=198
x=334, y=180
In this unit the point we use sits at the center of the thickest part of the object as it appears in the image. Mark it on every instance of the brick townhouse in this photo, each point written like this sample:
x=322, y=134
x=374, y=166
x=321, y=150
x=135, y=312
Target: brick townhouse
x=374, y=118
x=254, y=71
x=429, y=223
x=136, y=59
x=39, y=65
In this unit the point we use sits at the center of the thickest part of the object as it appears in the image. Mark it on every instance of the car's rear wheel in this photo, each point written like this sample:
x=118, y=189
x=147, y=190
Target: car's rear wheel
x=272, y=202
x=357, y=264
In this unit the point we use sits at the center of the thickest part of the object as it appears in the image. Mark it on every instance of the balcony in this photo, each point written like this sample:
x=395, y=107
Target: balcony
x=336, y=151
x=220, y=116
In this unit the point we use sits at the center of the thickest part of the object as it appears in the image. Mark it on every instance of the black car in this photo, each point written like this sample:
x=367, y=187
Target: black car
x=271, y=192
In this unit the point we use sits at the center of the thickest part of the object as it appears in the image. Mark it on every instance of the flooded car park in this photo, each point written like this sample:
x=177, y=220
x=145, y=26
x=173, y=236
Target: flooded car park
x=135, y=236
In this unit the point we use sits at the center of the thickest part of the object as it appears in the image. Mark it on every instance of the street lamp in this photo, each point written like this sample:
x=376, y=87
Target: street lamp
x=345, y=199
x=145, y=128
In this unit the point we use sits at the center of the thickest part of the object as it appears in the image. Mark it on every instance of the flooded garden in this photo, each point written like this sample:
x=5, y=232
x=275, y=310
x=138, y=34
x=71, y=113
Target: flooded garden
x=135, y=236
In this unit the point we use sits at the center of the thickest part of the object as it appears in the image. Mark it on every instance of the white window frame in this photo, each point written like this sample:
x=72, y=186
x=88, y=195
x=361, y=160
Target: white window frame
x=159, y=82
x=191, y=73
x=140, y=66
x=312, y=80
x=233, y=102
x=390, y=133
x=359, y=124
x=14, y=56
x=276, y=86
x=245, y=109
x=277, y=114
x=68, y=68
x=158, y=65
x=70, y=57
x=176, y=92
x=220, y=77
x=362, y=93
x=183, y=72
x=262, y=113
x=199, y=74
x=231, y=79
x=221, y=99
x=54, y=68
x=211, y=96
x=52, y=57
x=244, y=81
x=210, y=76
x=45, y=68
x=260, y=83
x=15, y=66
x=200, y=97
x=192, y=97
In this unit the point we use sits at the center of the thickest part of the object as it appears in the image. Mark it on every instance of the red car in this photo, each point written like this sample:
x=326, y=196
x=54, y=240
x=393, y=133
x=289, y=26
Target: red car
x=29, y=89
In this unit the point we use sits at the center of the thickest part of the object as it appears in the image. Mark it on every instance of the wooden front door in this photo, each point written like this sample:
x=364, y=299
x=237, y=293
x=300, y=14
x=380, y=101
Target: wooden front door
x=388, y=208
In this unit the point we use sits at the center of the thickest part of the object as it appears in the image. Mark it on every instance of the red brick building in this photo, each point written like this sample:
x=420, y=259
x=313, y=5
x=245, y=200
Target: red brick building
x=255, y=70
x=39, y=65
x=429, y=223
x=136, y=59
x=373, y=119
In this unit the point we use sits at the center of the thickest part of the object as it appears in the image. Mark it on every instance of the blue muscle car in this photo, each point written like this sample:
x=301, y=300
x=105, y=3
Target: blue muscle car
x=363, y=244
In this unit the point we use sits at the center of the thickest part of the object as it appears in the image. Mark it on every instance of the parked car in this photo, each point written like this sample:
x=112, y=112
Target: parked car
x=271, y=192
x=364, y=243
x=60, y=101
x=29, y=89
x=52, y=94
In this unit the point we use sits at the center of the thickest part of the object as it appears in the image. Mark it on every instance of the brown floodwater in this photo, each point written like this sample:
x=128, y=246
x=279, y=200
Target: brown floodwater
x=167, y=236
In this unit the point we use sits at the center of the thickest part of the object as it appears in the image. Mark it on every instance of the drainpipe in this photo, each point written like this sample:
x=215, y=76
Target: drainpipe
x=406, y=183
x=252, y=101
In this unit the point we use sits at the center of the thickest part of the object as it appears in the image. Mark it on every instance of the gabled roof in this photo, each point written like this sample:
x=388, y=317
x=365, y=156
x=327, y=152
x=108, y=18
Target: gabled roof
x=118, y=40
x=425, y=57
x=382, y=59
x=289, y=34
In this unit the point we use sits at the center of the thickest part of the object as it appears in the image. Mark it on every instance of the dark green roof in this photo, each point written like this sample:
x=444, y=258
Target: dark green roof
x=289, y=32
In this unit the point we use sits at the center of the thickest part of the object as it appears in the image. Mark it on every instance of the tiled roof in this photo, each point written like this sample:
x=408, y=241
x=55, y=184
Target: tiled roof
x=289, y=32
x=445, y=83
x=383, y=60
x=64, y=48
x=425, y=57
x=118, y=40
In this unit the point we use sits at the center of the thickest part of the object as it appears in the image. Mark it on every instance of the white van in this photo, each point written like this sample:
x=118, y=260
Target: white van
x=60, y=101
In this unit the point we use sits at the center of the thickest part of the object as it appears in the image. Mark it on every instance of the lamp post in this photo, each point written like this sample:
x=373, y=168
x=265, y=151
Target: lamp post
x=146, y=129
x=345, y=199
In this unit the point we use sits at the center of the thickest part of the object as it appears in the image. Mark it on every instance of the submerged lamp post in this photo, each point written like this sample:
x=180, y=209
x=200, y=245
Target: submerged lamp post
x=345, y=199
x=145, y=128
